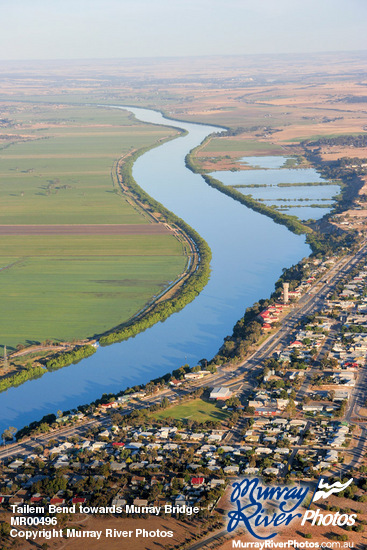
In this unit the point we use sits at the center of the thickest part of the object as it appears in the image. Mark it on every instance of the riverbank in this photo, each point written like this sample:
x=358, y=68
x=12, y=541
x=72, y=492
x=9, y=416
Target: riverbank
x=129, y=185
x=321, y=241
x=239, y=276
x=187, y=286
x=178, y=294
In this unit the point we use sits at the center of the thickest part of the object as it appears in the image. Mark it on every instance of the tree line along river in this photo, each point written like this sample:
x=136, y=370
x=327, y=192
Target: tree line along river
x=249, y=251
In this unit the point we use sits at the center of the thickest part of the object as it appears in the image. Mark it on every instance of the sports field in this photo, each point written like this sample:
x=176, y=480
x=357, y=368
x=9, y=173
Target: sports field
x=197, y=410
x=76, y=258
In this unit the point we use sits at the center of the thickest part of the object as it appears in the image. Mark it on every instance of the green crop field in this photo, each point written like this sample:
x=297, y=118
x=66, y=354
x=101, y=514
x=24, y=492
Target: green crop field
x=63, y=173
x=58, y=171
x=197, y=410
x=240, y=145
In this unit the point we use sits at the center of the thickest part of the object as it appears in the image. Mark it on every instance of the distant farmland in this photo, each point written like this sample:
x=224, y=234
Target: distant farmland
x=60, y=283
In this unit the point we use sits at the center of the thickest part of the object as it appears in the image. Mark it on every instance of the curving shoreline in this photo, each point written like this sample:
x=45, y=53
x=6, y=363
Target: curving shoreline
x=193, y=280
x=181, y=291
x=207, y=313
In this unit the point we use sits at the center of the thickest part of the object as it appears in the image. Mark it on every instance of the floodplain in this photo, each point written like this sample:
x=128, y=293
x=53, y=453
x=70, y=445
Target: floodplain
x=77, y=257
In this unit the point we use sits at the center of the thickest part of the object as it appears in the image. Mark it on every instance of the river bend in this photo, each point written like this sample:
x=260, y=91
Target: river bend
x=249, y=252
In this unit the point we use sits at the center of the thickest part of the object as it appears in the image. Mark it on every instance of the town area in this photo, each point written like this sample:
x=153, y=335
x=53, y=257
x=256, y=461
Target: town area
x=294, y=409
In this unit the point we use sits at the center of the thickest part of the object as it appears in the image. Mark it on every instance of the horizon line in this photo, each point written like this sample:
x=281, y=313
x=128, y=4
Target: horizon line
x=184, y=56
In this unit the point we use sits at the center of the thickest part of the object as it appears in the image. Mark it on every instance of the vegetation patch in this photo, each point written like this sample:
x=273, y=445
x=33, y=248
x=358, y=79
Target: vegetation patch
x=197, y=410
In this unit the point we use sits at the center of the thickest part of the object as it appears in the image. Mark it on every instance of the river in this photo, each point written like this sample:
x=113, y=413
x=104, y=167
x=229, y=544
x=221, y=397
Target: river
x=249, y=252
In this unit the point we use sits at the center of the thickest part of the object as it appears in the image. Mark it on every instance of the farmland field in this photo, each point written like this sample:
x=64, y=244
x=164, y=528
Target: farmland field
x=57, y=167
x=237, y=145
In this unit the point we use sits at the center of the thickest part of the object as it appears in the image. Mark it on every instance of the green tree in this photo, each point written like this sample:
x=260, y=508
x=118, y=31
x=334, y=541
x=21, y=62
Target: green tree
x=8, y=434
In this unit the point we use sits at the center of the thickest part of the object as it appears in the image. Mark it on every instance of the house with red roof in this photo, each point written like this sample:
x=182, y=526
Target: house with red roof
x=78, y=500
x=57, y=500
x=296, y=344
x=36, y=499
x=197, y=481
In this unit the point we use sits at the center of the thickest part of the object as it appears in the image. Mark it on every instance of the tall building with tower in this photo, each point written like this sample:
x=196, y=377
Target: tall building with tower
x=285, y=292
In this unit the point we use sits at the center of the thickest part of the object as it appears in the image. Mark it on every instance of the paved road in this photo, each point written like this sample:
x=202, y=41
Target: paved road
x=250, y=367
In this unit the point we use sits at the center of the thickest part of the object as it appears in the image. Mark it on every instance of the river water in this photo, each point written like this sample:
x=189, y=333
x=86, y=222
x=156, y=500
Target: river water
x=270, y=173
x=249, y=252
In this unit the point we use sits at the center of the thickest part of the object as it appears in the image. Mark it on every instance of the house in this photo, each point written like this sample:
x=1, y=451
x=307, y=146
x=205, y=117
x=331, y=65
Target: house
x=78, y=500
x=180, y=500
x=331, y=456
x=282, y=403
x=175, y=383
x=16, y=499
x=265, y=411
x=123, y=399
x=61, y=448
x=136, y=480
x=141, y=502
x=296, y=344
x=227, y=449
x=197, y=436
x=197, y=481
x=263, y=450
x=279, y=422
x=196, y=375
x=36, y=499
x=312, y=408
x=216, y=483
x=170, y=447
x=282, y=450
x=214, y=438
x=252, y=471
x=271, y=471
x=57, y=500
x=113, y=405
x=117, y=466
x=97, y=445
x=220, y=393
x=341, y=395
x=118, y=502
x=16, y=464
x=134, y=446
x=234, y=469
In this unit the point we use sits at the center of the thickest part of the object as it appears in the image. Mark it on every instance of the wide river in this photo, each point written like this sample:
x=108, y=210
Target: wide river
x=249, y=252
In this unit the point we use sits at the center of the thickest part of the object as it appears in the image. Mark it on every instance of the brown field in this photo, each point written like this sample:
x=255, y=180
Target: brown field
x=96, y=229
x=334, y=153
x=180, y=532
